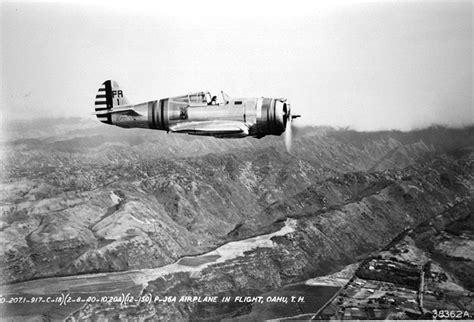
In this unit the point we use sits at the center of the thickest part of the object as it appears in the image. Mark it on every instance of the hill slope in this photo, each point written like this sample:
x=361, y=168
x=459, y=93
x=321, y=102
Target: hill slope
x=88, y=198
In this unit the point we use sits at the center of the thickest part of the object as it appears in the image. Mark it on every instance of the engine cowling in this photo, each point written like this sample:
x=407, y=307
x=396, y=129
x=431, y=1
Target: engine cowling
x=271, y=116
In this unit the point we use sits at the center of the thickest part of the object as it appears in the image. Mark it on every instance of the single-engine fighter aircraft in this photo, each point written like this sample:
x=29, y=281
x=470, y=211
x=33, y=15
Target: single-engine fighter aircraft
x=197, y=113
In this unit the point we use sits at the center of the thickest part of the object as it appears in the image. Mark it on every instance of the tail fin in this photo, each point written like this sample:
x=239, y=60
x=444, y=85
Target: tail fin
x=109, y=95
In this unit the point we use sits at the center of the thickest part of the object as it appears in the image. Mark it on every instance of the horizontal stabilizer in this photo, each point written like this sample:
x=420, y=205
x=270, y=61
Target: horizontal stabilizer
x=130, y=111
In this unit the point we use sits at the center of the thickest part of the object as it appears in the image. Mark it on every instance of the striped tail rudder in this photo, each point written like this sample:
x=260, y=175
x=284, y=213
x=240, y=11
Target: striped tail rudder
x=103, y=102
x=109, y=95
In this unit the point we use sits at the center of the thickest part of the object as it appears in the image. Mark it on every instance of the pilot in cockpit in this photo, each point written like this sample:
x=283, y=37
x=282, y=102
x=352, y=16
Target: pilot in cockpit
x=217, y=100
x=213, y=101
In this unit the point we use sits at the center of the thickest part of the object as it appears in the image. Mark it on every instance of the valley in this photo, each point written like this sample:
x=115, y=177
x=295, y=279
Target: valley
x=97, y=211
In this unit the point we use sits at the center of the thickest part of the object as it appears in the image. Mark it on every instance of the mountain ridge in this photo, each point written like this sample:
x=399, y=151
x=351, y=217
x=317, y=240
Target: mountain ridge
x=111, y=200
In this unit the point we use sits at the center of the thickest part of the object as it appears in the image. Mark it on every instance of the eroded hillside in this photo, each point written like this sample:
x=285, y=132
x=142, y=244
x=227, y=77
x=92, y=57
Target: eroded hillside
x=78, y=201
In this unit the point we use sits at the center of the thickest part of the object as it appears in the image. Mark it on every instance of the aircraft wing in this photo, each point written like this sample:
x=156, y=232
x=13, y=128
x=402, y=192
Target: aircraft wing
x=214, y=128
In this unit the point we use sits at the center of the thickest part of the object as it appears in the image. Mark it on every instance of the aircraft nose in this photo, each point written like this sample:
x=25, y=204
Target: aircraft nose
x=282, y=108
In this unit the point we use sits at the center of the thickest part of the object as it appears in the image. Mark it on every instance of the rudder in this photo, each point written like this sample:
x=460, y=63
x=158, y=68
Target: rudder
x=108, y=96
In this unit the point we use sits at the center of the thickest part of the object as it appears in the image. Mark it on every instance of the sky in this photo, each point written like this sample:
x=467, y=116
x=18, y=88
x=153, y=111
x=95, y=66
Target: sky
x=364, y=65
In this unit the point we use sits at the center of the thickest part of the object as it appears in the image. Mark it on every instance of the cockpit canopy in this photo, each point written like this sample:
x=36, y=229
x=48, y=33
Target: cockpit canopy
x=202, y=98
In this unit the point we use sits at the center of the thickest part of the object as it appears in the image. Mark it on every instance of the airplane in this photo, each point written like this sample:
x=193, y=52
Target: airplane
x=197, y=113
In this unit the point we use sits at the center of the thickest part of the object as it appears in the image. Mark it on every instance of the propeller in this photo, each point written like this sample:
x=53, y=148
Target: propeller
x=288, y=121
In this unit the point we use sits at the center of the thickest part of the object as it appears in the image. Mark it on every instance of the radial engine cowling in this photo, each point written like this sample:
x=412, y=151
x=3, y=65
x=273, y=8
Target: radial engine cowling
x=272, y=116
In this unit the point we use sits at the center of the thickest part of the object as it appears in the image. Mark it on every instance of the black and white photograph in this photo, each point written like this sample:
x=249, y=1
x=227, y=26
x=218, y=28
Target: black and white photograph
x=236, y=160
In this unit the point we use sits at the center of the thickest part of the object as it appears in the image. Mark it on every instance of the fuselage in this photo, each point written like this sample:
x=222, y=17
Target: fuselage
x=237, y=117
x=195, y=113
